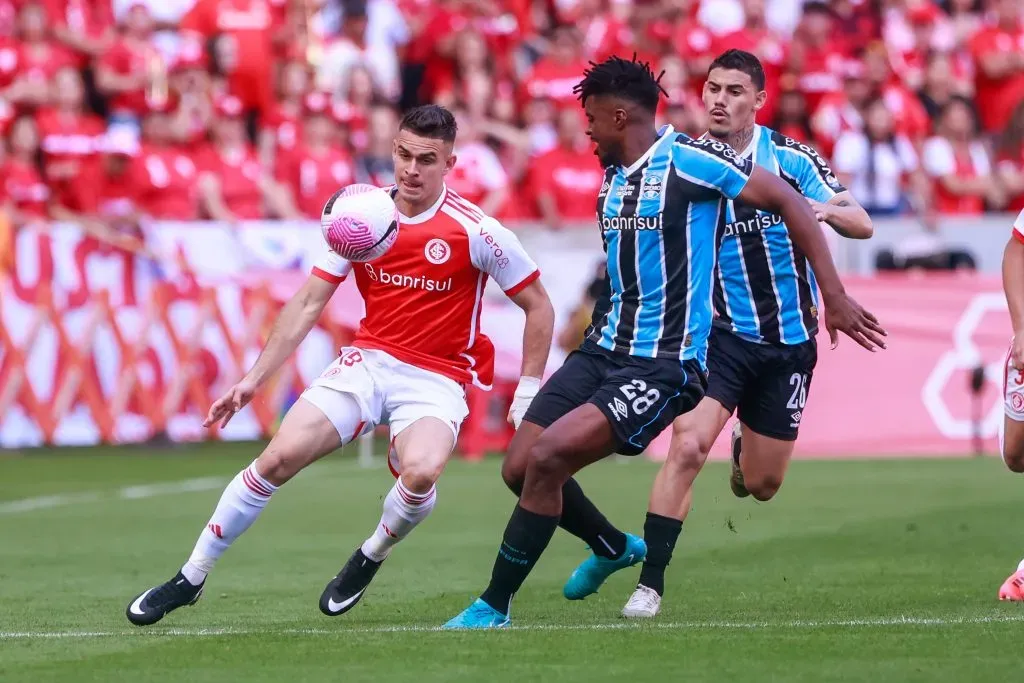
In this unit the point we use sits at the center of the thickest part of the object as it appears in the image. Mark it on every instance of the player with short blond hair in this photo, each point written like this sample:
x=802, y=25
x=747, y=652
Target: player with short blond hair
x=416, y=350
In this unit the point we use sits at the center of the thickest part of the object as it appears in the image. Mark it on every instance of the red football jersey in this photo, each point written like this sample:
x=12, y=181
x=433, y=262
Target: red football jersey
x=314, y=177
x=996, y=97
x=284, y=125
x=574, y=178
x=41, y=61
x=166, y=180
x=423, y=297
x=74, y=139
x=126, y=58
x=554, y=80
x=239, y=173
x=24, y=186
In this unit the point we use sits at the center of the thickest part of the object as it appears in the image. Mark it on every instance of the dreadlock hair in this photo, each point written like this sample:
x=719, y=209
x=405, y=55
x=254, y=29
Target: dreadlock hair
x=629, y=79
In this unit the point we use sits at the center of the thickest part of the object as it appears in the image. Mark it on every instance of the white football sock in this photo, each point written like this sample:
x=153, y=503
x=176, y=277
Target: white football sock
x=241, y=503
x=403, y=510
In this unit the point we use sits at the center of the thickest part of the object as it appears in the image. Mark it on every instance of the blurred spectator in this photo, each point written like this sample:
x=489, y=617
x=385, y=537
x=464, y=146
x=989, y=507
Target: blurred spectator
x=1010, y=159
x=842, y=112
x=755, y=37
x=69, y=139
x=280, y=125
x=877, y=165
x=575, y=329
x=721, y=16
x=85, y=27
x=791, y=117
x=816, y=55
x=959, y=165
x=166, y=15
x=478, y=174
x=964, y=20
x=696, y=46
x=557, y=73
x=114, y=197
x=939, y=86
x=680, y=107
x=909, y=115
x=132, y=70
x=376, y=166
x=385, y=23
x=164, y=173
x=317, y=167
x=38, y=59
x=998, y=51
x=243, y=31
x=353, y=46
x=192, y=94
x=24, y=192
x=233, y=184
x=566, y=180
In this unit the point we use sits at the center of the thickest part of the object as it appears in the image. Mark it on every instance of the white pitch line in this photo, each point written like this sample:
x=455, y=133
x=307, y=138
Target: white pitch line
x=876, y=622
x=14, y=507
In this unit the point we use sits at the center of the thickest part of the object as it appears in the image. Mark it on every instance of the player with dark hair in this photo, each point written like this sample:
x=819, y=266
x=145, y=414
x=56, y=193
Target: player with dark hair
x=1011, y=433
x=416, y=349
x=660, y=209
x=762, y=349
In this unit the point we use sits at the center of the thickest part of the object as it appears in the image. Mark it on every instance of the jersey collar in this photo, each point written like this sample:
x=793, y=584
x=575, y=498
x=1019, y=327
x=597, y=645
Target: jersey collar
x=748, y=153
x=663, y=133
x=425, y=216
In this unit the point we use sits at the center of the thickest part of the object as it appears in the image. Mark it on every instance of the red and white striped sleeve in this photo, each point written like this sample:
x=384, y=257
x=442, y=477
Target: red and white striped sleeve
x=331, y=268
x=496, y=250
x=1018, y=227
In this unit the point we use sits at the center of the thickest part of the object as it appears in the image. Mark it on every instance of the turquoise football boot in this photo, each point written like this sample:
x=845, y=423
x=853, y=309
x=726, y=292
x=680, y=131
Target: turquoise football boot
x=593, y=571
x=479, y=615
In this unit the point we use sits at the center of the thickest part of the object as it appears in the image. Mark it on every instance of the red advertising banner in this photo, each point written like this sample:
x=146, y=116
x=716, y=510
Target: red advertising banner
x=97, y=345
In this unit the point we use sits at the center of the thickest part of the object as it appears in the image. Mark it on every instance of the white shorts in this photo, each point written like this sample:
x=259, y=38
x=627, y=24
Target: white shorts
x=386, y=390
x=1013, y=390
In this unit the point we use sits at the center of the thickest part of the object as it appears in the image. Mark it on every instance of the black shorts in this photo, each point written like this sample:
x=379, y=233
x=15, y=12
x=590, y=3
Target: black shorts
x=639, y=396
x=766, y=384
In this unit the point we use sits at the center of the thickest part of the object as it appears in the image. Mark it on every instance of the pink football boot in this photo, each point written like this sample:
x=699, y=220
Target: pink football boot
x=1013, y=587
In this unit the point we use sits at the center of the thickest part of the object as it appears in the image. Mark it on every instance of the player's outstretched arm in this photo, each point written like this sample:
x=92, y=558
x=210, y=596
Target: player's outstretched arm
x=540, y=327
x=845, y=215
x=293, y=323
x=768, y=192
x=1013, y=284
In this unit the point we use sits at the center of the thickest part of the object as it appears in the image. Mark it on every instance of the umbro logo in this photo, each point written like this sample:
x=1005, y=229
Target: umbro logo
x=795, y=417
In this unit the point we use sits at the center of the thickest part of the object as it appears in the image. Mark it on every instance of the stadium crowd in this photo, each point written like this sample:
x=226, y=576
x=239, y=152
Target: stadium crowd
x=247, y=109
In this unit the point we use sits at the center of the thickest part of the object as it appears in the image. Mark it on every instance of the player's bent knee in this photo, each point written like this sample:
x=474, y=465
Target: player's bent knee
x=1015, y=460
x=764, y=488
x=513, y=473
x=546, y=461
x=278, y=463
x=419, y=477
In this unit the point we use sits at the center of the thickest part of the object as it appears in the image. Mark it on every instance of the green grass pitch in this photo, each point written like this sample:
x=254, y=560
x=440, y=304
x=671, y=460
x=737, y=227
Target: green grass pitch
x=870, y=570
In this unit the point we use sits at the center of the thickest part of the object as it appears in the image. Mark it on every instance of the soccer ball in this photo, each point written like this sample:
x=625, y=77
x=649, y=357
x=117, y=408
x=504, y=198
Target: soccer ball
x=360, y=222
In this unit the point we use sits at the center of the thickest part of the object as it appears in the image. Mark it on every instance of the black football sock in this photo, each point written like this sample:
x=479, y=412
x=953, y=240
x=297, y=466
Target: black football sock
x=526, y=537
x=660, y=534
x=582, y=519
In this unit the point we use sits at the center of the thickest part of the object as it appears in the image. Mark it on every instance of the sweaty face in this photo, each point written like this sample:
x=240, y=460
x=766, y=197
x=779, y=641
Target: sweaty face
x=606, y=128
x=731, y=101
x=420, y=165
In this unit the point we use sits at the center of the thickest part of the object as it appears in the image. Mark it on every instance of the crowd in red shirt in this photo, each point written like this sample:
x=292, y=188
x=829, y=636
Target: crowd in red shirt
x=114, y=110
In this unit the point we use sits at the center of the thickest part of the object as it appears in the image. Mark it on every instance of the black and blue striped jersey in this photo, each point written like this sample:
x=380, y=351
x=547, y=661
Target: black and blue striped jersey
x=660, y=221
x=764, y=287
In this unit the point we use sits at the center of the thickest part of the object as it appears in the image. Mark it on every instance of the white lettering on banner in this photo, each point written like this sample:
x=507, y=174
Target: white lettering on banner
x=576, y=180
x=964, y=357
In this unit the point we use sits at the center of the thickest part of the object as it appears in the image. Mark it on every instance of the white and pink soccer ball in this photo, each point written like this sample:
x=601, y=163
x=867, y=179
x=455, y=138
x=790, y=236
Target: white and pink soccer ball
x=360, y=222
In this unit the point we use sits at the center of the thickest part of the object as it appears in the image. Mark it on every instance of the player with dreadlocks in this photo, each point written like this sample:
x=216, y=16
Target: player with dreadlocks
x=642, y=363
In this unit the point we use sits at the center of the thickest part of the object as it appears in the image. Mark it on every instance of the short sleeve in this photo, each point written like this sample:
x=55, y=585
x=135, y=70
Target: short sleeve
x=1018, y=227
x=711, y=167
x=811, y=172
x=938, y=158
x=331, y=268
x=495, y=250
